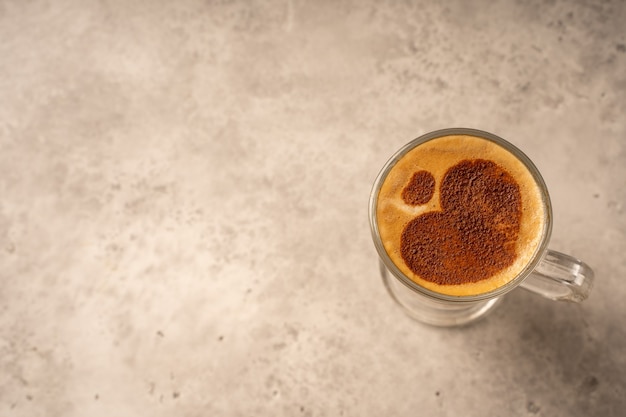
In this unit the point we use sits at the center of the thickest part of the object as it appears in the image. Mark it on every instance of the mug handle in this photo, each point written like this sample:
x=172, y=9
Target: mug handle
x=560, y=277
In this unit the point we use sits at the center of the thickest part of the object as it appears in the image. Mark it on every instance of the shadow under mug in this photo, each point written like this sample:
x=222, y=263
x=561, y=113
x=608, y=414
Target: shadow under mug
x=551, y=274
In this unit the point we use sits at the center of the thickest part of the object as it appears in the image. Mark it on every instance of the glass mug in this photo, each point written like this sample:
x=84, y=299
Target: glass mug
x=548, y=273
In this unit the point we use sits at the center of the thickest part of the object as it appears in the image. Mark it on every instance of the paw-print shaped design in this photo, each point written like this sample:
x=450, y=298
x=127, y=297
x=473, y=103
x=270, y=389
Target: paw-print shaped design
x=474, y=235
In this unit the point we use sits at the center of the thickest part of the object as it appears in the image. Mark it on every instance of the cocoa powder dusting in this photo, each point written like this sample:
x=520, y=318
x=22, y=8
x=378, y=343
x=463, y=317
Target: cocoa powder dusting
x=420, y=188
x=474, y=235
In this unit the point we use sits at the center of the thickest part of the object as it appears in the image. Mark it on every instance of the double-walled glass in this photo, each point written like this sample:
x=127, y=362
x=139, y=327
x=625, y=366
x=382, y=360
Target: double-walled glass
x=548, y=273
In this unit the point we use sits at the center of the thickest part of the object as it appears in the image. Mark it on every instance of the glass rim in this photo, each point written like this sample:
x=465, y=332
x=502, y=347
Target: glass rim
x=395, y=271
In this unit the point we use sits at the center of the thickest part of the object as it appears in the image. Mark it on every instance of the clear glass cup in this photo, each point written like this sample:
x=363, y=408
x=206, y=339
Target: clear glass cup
x=551, y=274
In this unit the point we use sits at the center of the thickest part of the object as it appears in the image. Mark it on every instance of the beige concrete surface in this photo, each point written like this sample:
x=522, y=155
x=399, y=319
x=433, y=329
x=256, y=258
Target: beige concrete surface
x=183, y=210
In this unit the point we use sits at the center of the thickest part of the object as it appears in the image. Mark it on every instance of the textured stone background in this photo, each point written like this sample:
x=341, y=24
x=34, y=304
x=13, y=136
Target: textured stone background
x=183, y=210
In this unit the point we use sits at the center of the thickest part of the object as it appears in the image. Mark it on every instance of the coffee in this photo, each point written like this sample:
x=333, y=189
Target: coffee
x=460, y=215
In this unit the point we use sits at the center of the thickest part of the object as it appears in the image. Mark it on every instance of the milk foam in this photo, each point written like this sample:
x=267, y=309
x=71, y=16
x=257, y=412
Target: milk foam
x=437, y=156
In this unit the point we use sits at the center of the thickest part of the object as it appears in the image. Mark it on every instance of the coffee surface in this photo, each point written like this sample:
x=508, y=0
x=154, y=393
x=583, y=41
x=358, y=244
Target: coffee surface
x=460, y=215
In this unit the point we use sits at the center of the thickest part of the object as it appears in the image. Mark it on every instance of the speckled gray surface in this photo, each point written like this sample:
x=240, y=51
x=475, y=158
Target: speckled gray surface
x=183, y=220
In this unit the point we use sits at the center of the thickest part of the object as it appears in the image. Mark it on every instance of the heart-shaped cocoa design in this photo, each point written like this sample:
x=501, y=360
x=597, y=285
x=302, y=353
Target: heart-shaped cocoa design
x=474, y=235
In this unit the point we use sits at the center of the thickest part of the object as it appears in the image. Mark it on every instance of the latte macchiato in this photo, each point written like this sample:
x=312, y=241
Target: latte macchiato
x=460, y=215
